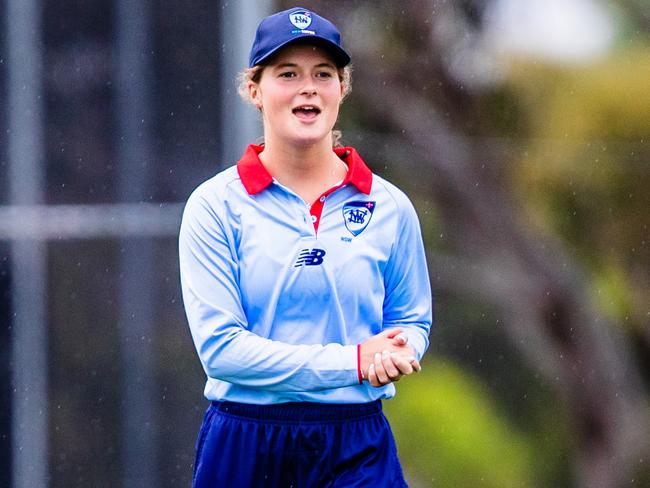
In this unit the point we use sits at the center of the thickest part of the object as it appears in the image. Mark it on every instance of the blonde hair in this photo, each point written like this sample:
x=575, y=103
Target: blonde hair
x=254, y=75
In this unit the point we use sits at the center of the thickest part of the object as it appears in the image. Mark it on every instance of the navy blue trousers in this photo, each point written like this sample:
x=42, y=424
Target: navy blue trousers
x=296, y=445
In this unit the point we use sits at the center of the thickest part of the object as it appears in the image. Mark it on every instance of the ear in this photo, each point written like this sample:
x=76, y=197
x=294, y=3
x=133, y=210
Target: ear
x=344, y=91
x=255, y=94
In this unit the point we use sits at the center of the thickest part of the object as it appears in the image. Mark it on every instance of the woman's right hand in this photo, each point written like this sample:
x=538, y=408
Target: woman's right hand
x=386, y=357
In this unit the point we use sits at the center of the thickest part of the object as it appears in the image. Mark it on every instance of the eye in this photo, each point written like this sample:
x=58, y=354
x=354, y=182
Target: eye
x=324, y=74
x=287, y=74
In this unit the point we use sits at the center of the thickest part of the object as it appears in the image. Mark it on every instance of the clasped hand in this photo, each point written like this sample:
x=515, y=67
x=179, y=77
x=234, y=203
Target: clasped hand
x=386, y=357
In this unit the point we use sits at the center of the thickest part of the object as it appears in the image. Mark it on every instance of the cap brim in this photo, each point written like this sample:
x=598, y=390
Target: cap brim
x=340, y=57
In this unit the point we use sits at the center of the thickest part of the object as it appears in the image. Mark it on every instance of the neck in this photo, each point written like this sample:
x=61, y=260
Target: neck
x=308, y=170
x=290, y=162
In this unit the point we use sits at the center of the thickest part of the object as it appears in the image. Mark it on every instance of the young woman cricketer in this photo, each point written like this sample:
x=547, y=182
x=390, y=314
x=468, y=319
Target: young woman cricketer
x=305, y=284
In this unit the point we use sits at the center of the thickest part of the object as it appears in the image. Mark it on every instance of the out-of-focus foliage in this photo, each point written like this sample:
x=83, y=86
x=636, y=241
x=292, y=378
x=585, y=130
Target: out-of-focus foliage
x=451, y=433
x=585, y=174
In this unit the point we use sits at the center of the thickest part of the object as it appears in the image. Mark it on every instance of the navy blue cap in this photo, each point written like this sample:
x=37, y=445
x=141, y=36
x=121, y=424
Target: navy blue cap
x=278, y=30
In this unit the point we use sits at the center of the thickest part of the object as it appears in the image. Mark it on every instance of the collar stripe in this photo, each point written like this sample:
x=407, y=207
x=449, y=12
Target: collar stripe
x=255, y=177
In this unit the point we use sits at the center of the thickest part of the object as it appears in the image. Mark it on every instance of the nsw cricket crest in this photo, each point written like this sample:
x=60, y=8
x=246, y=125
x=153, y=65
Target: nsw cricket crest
x=357, y=215
x=301, y=19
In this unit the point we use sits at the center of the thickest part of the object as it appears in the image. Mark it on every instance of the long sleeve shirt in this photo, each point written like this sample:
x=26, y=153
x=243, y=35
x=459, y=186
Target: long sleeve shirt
x=278, y=293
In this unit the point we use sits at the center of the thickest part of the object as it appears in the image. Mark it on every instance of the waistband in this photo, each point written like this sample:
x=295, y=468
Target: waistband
x=299, y=411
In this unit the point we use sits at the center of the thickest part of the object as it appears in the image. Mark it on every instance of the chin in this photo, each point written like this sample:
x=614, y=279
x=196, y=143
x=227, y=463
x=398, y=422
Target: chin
x=310, y=140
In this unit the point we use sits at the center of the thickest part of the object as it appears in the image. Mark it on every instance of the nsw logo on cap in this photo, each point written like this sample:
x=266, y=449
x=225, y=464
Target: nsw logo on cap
x=300, y=18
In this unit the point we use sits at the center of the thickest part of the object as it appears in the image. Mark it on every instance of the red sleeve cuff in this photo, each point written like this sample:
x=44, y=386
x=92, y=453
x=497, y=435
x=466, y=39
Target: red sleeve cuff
x=359, y=372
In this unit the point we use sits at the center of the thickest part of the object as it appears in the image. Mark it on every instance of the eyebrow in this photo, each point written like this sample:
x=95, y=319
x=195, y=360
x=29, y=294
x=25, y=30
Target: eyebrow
x=294, y=65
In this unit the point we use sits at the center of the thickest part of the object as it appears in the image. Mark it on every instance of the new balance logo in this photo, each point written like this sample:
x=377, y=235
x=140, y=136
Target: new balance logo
x=310, y=257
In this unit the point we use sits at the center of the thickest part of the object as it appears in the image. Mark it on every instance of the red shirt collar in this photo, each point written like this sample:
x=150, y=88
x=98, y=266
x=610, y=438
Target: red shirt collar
x=256, y=178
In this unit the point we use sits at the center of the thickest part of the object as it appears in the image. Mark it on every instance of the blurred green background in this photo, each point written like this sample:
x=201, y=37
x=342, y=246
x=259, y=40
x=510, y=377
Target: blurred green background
x=519, y=129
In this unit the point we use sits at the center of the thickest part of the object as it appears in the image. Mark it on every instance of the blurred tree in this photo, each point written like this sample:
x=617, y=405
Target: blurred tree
x=638, y=13
x=456, y=435
x=585, y=176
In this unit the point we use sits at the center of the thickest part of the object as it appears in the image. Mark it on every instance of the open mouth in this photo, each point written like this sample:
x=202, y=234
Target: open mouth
x=306, y=111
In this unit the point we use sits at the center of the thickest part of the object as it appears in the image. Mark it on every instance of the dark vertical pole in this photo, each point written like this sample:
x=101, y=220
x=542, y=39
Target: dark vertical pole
x=29, y=331
x=135, y=121
x=240, y=124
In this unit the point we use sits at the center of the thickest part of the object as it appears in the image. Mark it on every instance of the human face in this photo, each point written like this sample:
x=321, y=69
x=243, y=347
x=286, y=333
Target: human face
x=299, y=94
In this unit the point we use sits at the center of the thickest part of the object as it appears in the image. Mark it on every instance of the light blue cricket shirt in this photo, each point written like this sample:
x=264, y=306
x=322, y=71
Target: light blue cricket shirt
x=278, y=294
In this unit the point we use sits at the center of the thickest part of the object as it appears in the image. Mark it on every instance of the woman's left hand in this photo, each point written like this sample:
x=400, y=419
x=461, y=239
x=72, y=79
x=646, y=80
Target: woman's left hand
x=388, y=367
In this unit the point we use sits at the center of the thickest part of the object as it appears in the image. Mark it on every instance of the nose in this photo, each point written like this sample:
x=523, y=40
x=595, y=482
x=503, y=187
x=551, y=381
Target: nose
x=309, y=88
